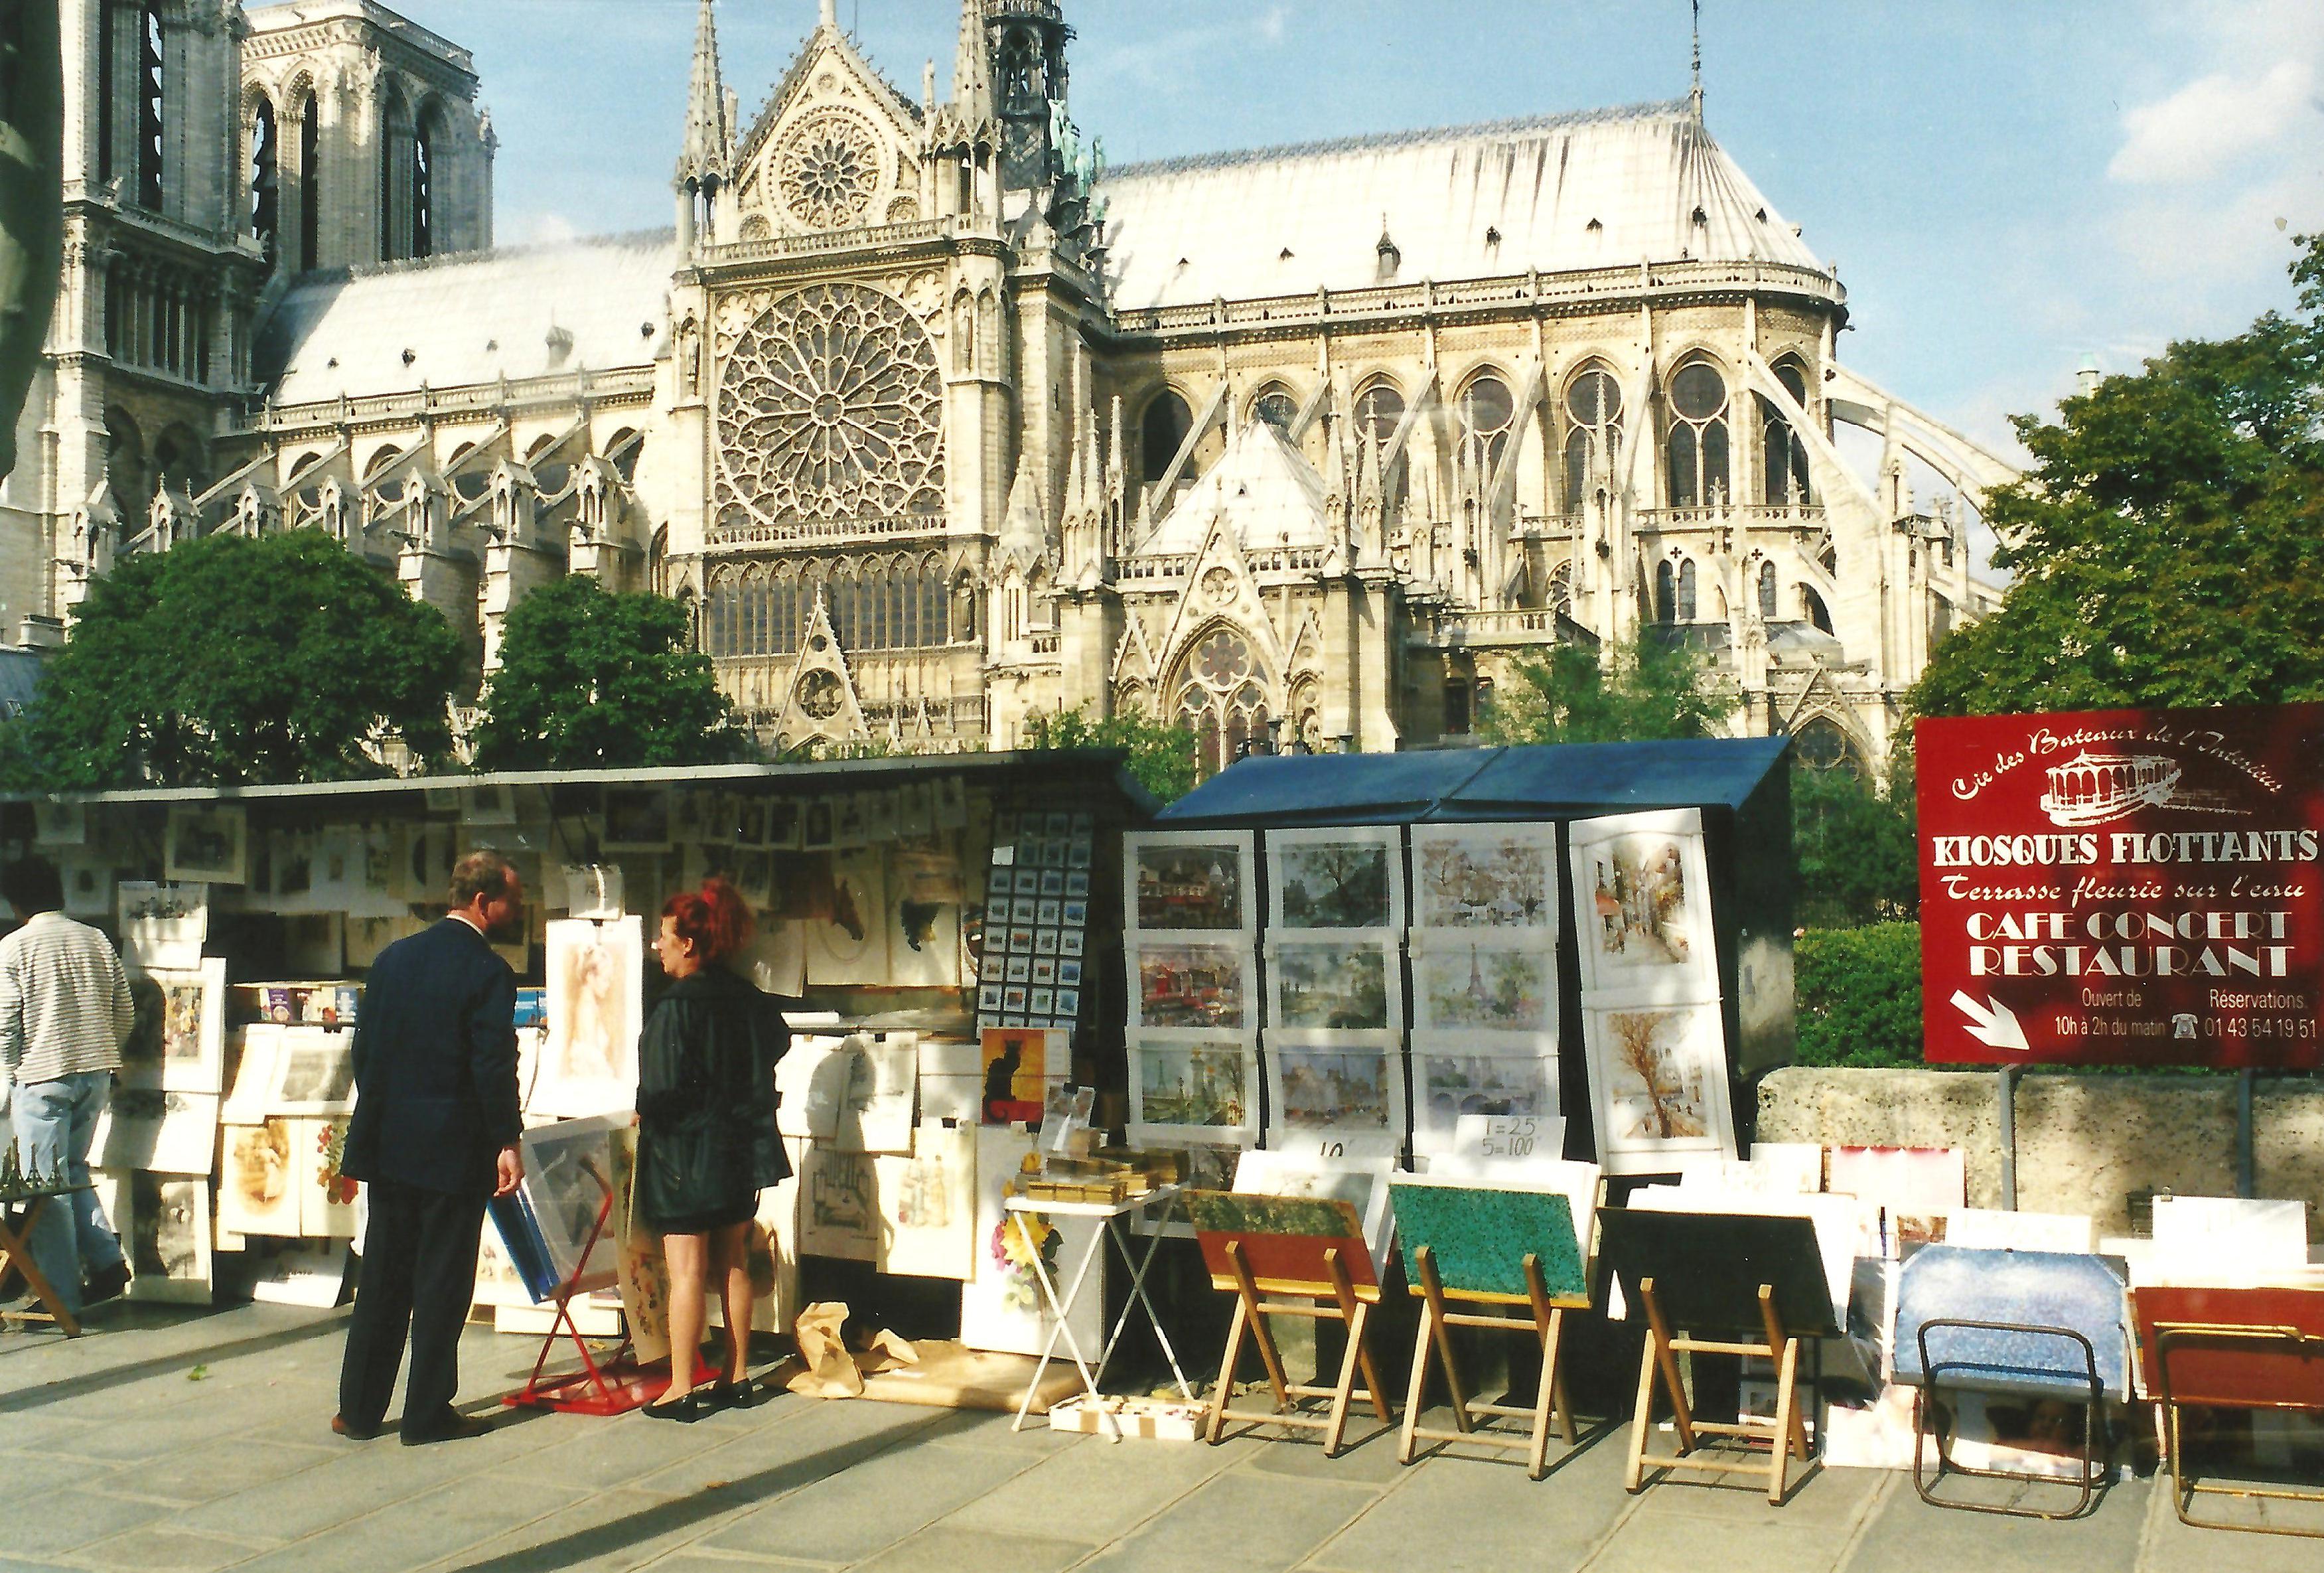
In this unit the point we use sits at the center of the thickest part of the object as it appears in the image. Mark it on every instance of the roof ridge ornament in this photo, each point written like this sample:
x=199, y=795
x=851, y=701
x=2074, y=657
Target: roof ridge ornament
x=1694, y=96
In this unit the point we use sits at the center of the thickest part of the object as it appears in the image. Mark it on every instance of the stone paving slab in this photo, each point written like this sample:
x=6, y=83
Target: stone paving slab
x=116, y=1458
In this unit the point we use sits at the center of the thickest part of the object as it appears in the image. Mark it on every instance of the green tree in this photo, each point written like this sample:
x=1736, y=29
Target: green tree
x=1161, y=758
x=1652, y=687
x=2168, y=544
x=1859, y=994
x=1857, y=845
x=228, y=660
x=592, y=679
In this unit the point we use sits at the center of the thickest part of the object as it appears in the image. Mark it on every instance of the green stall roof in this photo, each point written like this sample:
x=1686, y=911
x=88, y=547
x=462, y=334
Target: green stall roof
x=1560, y=781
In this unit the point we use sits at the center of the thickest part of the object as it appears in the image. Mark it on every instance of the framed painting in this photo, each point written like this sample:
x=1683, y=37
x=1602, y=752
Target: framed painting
x=1501, y=877
x=589, y=1055
x=1456, y=1079
x=1335, y=879
x=1658, y=1086
x=1189, y=880
x=1205, y=1089
x=1643, y=903
x=1461, y=984
x=178, y=1038
x=1191, y=984
x=1335, y=1087
x=205, y=844
x=1345, y=984
x=314, y=1072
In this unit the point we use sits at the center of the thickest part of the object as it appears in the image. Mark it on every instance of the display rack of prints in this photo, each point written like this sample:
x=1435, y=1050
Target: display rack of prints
x=1336, y=879
x=1658, y=1079
x=1479, y=984
x=1457, y=1074
x=1035, y=938
x=1643, y=905
x=1491, y=878
x=1343, y=983
x=1193, y=1089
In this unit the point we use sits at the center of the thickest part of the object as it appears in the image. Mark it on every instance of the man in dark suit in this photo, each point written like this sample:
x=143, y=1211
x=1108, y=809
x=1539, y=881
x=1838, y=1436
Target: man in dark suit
x=434, y=1138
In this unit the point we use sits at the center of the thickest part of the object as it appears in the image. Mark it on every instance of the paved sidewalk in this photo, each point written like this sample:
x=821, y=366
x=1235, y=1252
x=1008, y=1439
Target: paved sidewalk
x=170, y=1440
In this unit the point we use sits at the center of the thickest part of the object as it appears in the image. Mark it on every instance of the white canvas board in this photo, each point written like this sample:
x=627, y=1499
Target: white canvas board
x=876, y=1109
x=312, y=1276
x=1002, y=1307
x=1463, y=983
x=1344, y=1090
x=775, y=958
x=253, y=1076
x=1907, y=1179
x=1498, y=878
x=1797, y=1166
x=570, y=1169
x=1350, y=982
x=205, y=844
x=1642, y=899
x=1658, y=1086
x=162, y=926
x=839, y=1205
x=1193, y=881
x=152, y=1128
x=2001, y=1229
x=1845, y=1227
x=851, y=945
x=1362, y=1181
x=1351, y=878
x=1205, y=1089
x=927, y=1204
x=589, y=1056
x=260, y=1177
x=314, y=1072
x=178, y=1039
x=2220, y=1238
x=1455, y=1077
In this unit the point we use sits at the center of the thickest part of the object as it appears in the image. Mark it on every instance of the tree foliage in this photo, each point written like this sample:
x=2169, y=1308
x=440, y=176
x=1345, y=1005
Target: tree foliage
x=1161, y=758
x=591, y=680
x=1651, y=687
x=1859, y=994
x=228, y=660
x=1857, y=845
x=2168, y=545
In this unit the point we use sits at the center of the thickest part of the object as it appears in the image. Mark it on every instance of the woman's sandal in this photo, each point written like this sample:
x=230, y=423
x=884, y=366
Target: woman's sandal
x=685, y=1409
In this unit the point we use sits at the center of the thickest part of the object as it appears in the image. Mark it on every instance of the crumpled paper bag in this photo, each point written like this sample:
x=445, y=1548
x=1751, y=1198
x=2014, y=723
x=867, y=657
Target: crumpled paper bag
x=825, y=1368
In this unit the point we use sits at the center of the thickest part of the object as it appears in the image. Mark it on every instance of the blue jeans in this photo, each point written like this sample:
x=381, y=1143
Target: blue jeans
x=55, y=1121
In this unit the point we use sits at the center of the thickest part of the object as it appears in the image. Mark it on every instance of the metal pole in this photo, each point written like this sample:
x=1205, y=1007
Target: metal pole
x=2009, y=1137
x=2246, y=1185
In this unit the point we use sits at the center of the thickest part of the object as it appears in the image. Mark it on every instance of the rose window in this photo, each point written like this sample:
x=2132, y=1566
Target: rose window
x=820, y=695
x=829, y=169
x=830, y=407
x=1218, y=699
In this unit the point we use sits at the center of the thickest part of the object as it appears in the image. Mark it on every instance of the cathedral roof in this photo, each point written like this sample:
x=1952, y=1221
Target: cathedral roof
x=1560, y=193
x=1270, y=495
x=527, y=311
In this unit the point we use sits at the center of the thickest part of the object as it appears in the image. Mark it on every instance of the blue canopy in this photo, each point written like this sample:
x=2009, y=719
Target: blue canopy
x=1555, y=781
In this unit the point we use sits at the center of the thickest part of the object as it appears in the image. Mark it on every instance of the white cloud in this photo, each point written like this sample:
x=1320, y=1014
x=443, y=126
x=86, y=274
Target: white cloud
x=2212, y=124
x=539, y=226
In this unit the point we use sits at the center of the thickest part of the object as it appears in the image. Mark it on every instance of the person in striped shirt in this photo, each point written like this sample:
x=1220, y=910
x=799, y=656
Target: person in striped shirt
x=64, y=1012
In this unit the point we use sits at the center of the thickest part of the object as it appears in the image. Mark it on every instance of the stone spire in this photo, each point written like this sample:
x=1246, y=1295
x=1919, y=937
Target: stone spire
x=972, y=73
x=704, y=163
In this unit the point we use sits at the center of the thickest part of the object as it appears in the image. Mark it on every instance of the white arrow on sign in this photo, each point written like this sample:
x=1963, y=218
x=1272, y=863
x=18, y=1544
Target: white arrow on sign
x=1992, y=1024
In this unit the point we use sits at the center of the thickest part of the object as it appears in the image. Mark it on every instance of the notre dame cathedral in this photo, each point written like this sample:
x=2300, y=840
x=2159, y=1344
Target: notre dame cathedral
x=936, y=424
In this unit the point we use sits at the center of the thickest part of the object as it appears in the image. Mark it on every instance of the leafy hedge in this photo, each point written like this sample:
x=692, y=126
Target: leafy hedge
x=1859, y=994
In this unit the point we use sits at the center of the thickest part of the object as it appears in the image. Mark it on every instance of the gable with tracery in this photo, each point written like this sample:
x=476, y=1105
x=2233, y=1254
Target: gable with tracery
x=835, y=149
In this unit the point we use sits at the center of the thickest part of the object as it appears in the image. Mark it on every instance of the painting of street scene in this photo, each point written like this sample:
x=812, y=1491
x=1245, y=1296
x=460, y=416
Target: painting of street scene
x=1190, y=985
x=1487, y=988
x=1332, y=885
x=1189, y=885
x=1486, y=881
x=1339, y=986
x=1658, y=1077
x=1643, y=913
x=1333, y=1088
x=1192, y=1085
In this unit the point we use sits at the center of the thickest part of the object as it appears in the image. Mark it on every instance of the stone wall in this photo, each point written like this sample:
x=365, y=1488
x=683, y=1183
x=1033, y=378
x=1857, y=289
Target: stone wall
x=2084, y=1143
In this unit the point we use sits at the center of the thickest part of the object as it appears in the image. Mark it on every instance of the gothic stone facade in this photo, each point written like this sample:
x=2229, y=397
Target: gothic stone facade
x=939, y=425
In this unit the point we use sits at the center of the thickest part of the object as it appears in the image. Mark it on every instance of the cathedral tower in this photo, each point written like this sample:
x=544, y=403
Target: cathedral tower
x=1027, y=40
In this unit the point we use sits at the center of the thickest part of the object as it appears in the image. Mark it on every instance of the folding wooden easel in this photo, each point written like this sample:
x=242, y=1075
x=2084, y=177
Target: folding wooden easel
x=1286, y=1265
x=17, y=1249
x=2259, y=1346
x=1547, y=1325
x=1758, y=1279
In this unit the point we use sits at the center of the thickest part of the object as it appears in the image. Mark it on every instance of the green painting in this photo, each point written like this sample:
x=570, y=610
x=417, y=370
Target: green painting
x=1480, y=1238
x=1230, y=1212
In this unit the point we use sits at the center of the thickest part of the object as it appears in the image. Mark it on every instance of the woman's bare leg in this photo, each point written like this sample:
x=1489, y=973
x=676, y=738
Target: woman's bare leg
x=733, y=1247
x=687, y=1255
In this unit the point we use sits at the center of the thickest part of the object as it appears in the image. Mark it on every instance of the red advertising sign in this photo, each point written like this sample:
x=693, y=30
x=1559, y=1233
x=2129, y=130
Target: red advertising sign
x=2116, y=887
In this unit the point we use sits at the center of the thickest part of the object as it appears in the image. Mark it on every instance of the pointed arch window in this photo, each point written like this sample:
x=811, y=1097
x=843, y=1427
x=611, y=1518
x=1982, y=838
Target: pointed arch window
x=266, y=179
x=1161, y=432
x=1812, y=604
x=151, y=86
x=1767, y=592
x=1665, y=592
x=1697, y=444
x=1487, y=412
x=1687, y=601
x=1561, y=589
x=423, y=186
x=1593, y=439
x=1276, y=407
x=1380, y=413
x=1784, y=457
x=311, y=184
x=1218, y=696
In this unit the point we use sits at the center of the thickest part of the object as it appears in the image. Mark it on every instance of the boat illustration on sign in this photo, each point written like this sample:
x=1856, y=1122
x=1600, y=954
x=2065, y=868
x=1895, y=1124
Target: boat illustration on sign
x=2092, y=789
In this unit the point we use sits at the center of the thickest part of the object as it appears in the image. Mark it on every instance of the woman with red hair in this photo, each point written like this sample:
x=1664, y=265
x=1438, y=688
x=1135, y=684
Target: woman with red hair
x=706, y=1142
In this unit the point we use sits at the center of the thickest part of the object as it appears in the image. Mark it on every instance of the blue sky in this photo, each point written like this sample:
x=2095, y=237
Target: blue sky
x=2006, y=187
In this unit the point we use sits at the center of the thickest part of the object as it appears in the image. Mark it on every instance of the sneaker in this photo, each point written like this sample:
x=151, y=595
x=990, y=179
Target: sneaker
x=107, y=1283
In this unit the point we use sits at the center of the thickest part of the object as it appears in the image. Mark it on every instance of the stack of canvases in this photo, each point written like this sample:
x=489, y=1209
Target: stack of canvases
x=904, y=1149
